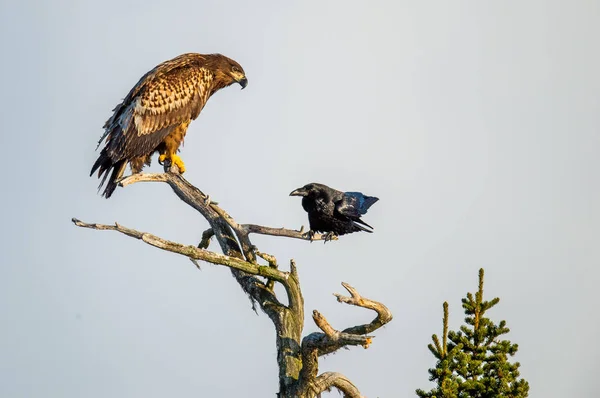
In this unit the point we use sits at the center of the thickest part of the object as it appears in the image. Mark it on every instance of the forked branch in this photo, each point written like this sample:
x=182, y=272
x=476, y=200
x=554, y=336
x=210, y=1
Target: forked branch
x=331, y=340
x=384, y=315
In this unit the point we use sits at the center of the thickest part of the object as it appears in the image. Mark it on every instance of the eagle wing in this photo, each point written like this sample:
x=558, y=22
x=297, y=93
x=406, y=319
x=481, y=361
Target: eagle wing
x=172, y=93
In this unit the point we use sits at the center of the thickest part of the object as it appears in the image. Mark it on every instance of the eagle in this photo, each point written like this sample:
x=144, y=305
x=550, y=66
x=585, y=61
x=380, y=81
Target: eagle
x=155, y=114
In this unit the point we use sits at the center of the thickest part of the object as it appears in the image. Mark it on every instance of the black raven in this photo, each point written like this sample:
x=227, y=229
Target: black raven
x=334, y=212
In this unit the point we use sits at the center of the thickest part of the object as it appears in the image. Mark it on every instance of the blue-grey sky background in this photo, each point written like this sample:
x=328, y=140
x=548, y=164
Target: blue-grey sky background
x=475, y=123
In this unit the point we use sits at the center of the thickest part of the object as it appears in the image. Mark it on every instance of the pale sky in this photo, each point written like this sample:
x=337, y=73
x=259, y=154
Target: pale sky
x=476, y=123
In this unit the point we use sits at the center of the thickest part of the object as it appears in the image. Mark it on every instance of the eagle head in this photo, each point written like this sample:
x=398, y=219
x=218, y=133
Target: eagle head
x=228, y=71
x=238, y=74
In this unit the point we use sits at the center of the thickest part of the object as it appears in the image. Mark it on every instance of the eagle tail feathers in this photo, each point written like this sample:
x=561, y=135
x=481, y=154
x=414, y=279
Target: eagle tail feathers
x=115, y=176
x=103, y=165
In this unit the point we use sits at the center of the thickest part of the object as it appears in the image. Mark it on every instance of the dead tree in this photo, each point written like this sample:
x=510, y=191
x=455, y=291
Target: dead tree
x=297, y=357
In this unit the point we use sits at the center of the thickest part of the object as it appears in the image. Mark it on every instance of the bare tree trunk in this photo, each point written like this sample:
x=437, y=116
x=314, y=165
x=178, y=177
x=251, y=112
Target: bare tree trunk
x=297, y=357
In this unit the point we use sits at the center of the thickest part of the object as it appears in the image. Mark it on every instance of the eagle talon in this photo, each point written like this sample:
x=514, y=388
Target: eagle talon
x=176, y=160
x=172, y=160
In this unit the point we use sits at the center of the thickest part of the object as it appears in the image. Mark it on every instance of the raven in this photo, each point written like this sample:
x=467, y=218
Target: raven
x=334, y=212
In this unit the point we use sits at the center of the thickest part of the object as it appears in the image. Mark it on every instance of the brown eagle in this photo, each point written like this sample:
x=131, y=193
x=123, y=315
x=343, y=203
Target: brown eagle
x=156, y=113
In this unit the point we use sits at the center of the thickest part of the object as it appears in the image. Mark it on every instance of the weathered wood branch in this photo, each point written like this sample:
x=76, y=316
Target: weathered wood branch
x=283, y=232
x=333, y=379
x=384, y=315
x=206, y=237
x=297, y=357
x=330, y=340
x=242, y=237
x=335, y=337
x=272, y=262
x=192, y=252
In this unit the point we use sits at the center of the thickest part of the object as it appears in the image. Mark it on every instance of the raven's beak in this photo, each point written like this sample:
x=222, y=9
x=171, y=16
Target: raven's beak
x=298, y=192
x=243, y=82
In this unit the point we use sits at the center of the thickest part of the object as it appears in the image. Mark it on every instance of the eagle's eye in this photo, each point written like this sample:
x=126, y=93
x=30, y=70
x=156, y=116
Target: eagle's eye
x=234, y=69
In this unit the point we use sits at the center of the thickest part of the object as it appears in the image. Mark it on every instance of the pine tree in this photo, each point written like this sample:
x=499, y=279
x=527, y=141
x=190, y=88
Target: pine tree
x=473, y=362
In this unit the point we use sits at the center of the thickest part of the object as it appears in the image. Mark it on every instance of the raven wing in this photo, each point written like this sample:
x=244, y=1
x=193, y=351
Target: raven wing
x=355, y=204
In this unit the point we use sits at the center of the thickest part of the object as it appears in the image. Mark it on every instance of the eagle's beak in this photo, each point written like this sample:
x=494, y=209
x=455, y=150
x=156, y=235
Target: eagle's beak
x=298, y=192
x=243, y=82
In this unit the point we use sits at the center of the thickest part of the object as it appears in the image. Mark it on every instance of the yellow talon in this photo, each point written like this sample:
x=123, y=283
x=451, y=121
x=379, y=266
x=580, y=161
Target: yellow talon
x=175, y=159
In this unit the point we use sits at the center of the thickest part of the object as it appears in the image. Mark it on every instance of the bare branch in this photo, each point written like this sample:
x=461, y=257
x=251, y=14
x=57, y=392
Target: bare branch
x=295, y=299
x=242, y=236
x=384, y=315
x=192, y=251
x=206, y=237
x=283, y=232
x=331, y=339
x=272, y=263
x=333, y=379
x=268, y=258
x=143, y=177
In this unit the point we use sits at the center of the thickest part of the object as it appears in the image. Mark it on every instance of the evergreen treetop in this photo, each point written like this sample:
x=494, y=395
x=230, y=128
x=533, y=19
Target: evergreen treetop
x=473, y=362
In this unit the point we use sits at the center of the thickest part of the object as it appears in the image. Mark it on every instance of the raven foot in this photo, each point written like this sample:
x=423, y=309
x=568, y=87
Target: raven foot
x=329, y=236
x=310, y=235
